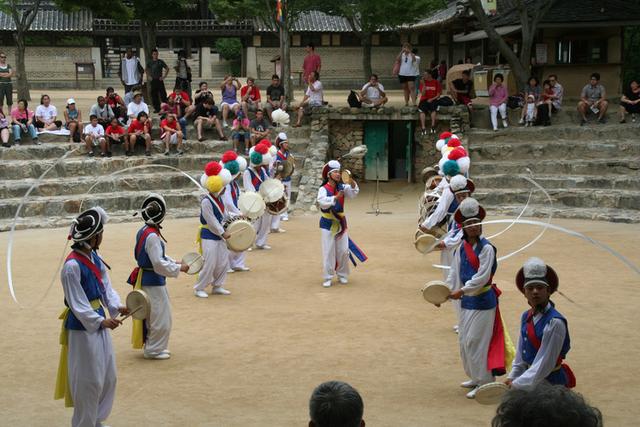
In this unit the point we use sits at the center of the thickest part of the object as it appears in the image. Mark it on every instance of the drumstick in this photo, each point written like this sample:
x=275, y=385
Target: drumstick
x=239, y=230
x=130, y=314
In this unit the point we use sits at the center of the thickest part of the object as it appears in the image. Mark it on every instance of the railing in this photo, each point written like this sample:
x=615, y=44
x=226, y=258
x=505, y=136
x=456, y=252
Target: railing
x=173, y=25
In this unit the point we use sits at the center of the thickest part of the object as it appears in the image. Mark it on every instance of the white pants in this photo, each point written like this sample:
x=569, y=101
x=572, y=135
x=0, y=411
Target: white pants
x=494, y=113
x=92, y=376
x=335, y=254
x=236, y=259
x=275, y=222
x=476, y=329
x=262, y=227
x=159, y=322
x=216, y=264
x=446, y=258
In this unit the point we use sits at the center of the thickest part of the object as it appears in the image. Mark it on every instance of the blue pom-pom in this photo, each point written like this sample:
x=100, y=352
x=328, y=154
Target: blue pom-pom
x=450, y=168
x=256, y=158
x=232, y=166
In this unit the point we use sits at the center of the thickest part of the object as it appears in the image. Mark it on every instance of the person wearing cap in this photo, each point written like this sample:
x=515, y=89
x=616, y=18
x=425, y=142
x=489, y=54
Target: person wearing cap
x=137, y=106
x=154, y=266
x=73, y=121
x=236, y=165
x=544, y=335
x=333, y=223
x=87, y=368
x=252, y=179
x=446, y=205
x=461, y=188
x=212, y=235
x=485, y=347
x=282, y=143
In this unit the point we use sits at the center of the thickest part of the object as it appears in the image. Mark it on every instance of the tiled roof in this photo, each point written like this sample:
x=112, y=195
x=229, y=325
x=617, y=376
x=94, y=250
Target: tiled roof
x=311, y=21
x=440, y=17
x=49, y=18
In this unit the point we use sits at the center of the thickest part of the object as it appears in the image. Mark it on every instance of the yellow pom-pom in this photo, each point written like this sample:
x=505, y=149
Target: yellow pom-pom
x=214, y=184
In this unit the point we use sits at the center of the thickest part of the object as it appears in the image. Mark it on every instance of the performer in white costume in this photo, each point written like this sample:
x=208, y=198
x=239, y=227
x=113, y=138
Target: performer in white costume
x=87, y=370
x=282, y=144
x=211, y=235
x=154, y=266
x=236, y=165
x=253, y=177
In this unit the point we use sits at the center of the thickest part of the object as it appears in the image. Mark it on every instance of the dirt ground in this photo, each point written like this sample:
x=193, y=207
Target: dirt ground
x=253, y=358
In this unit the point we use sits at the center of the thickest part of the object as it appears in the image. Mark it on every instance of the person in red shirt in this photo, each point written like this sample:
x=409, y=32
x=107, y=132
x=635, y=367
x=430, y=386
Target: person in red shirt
x=116, y=103
x=430, y=91
x=139, y=131
x=171, y=134
x=250, y=97
x=180, y=97
x=115, y=132
x=311, y=62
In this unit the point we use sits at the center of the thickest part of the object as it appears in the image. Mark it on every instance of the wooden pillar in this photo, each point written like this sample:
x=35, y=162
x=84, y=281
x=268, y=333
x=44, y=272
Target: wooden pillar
x=436, y=46
x=450, y=47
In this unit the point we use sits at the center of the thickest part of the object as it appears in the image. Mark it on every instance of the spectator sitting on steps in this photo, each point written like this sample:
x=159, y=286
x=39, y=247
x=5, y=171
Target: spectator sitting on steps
x=116, y=103
x=240, y=131
x=46, y=115
x=4, y=129
x=205, y=114
x=372, y=93
x=336, y=404
x=533, y=88
x=103, y=111
x=250, y=96
x=73, y=120
x=22, y=122
x=630, y=101
x=171, y=134
x=430, y=91
x=139, y=131
x=259, y=128
x=177, y=103
x=229, y=97
x=593, y=98
x=94, y=137
x=275, y=97
x=558, y=93
x=462, y=90
x=115, y=132
x=498, y=96
x=136, y=106
x=313, y=97
x=202, y=93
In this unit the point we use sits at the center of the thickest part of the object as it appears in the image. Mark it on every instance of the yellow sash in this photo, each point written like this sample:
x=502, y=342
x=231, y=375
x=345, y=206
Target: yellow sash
x=335, y=224
x=509, y=348
x=63, y=389
x=199, y=237
x=137, y=335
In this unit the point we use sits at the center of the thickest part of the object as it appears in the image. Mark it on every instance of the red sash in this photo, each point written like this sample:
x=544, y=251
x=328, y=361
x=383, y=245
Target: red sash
x=535, y=342
x=143, y=238
x=90, y=265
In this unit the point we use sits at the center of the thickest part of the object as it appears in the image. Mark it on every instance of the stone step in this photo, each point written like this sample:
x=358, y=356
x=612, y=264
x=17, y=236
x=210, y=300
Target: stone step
x=601, y=182
x=613, y=166
x=589, y=132
x=565, y=149
x=577, y=198
x=595, y=214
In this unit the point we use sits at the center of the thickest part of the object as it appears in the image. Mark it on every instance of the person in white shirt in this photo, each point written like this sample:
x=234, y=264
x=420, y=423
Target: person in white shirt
x=131, y=71
x=94, y=136
x=405, y=65
x=313, y=97
x=136, y=106
x=47, y=114
x=372, y=93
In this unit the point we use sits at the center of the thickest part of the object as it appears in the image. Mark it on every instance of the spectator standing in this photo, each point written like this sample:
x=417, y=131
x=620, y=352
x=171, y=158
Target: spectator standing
x=22, y=122
x=115, y=132
x=171, y=134
x=73, y=120
x=275, y=97
x=259, y=128
x=47, y=115
x=131, y=71
x=313, y=97
x=336, y=404
x=532, y=88
x=462, y=90
x=94, y=136
x=183, y=72
x=116, y=103
x=229, y=88
x=372, y=93
x=630, y=101
x=498, y=96
x=311, y=63
x=240, y=132
x=205, y=115
x=4, y=129
x=430, y=91
x=157, y=70
x=558, y=92
x=6, y=87
x=406, y=73
x=250, y=96
x=593, y=98
x=136, y=106
x=139, y=131
x=103, y=111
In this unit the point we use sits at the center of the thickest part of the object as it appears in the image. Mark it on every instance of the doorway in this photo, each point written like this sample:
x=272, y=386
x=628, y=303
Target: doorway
x=390, y=153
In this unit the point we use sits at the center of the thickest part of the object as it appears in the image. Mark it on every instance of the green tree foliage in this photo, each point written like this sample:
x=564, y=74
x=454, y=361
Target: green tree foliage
x=230, y=49
x=631, y=65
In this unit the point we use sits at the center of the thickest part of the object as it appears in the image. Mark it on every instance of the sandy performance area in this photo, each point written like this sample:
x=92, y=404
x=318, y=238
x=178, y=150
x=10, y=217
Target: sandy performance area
x=253, y=358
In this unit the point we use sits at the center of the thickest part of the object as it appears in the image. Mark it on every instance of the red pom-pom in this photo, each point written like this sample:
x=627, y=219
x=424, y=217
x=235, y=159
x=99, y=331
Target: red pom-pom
x=266, y=142
x=229, y=156
x=457, y=153
x=262, y=148
x=212, y=168
x=454, y=142
x=445, y=135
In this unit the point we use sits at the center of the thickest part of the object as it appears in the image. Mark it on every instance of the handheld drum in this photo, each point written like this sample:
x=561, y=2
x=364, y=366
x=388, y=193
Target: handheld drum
x=491, y=393
x=272, y=190
x=251, y=205
x=425, y=243
x=242, y=234
x=436, y=292
x=194, y=261
x=138, y=304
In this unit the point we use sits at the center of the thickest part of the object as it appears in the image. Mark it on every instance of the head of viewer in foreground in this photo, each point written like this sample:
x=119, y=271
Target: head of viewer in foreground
x=335, y=404
x=545, y=405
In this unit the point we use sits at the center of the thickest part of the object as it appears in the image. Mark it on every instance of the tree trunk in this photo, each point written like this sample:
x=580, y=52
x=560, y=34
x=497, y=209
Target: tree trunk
x=148, y=41
x=22, y=82
x=285, y=61
x=365, y=38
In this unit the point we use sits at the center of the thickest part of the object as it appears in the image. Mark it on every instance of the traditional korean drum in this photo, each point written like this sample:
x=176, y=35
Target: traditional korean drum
x=242, y=234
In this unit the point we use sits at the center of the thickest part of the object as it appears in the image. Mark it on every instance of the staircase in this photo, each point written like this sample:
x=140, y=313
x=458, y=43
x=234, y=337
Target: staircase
x=590, y=172
x=63, y=191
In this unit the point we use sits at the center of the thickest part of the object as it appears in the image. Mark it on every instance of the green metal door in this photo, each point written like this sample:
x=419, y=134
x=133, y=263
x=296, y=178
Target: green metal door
x=409, y=163
x=376, y=138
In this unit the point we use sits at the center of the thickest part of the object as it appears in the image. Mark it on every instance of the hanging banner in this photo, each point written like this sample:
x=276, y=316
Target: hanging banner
x=490, y=6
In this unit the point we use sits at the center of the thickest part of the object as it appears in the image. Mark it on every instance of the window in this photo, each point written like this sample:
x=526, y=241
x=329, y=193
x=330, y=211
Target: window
x=335, y=39
x=296, y=40
x=375, y=40
x=257, y=41
x=582, y=51
x=326, y=40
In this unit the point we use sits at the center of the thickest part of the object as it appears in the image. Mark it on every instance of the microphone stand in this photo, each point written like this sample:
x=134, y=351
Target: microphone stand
x=376, y=196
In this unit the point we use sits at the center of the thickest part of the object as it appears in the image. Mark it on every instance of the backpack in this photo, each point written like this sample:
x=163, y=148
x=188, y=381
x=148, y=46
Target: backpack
x=353, y=100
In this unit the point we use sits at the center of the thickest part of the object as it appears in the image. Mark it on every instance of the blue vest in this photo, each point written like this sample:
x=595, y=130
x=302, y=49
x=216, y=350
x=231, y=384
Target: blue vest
x=282, y=157
x=453, y=206
x=235, y=192
x=91, y=288
x=149, y=277
x=205, y=233
x=338, y=207
x=529, y=352
x=486, y=300
x=257, y=180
